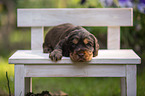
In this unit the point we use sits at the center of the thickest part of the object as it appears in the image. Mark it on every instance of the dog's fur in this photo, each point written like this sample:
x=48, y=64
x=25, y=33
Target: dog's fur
x=70, y=41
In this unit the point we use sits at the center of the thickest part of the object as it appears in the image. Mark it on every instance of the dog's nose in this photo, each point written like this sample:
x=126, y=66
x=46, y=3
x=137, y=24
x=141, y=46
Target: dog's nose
x=81, y=54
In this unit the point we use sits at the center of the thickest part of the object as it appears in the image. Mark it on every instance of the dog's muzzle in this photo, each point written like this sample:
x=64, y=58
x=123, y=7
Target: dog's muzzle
x=81, y=55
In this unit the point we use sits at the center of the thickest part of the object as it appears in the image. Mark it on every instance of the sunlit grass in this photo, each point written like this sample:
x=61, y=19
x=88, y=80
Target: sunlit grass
x=5, y=67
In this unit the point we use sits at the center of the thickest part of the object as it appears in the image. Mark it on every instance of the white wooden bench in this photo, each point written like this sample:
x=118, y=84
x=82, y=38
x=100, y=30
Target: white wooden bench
x=111, y=62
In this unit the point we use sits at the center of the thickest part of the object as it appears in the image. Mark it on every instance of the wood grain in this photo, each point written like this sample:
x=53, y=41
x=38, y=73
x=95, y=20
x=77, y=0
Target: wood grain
x=113, y=37
x=37, y=38
x=76, y=16
x=28, y=84
x=131, y=80
x=80, y=70
x=104, y=57
x=19, y=80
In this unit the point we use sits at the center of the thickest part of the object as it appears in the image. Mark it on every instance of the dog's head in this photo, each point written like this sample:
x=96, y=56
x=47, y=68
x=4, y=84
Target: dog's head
x=82, y=45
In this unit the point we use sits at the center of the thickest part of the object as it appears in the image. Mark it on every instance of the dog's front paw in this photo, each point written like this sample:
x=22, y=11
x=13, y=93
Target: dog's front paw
x=55, y=55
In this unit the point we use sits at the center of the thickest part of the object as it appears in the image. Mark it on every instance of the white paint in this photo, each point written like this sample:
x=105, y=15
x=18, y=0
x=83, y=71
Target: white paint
x=113, y=38
x=28, y=84
x=104, y=57
x=76, y=16
x=131, y=80
x=80, y=70
x=37, y=38
x=123, y=86
x=19, y=80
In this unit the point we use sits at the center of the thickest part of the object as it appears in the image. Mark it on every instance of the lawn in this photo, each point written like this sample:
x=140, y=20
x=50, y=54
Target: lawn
x=72, y=86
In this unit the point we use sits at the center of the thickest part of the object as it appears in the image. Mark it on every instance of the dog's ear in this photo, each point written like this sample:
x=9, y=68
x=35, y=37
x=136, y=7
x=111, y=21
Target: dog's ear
x=96, y=46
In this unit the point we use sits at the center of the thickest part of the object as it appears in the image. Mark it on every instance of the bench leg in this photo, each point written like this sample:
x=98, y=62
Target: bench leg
x=19, y=80
x=123, y=86
x=131, y=80
x=28, y=84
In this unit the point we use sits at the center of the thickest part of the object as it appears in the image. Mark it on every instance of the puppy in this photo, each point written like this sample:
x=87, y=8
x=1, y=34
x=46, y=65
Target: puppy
x=70, y=41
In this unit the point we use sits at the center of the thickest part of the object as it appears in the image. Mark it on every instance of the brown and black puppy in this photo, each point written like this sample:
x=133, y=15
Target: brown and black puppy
x=70, y=41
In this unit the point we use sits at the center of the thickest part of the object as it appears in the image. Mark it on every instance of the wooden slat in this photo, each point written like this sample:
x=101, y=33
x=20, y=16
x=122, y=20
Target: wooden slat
x=28, y=84
x=19, y=80
x=104, y=57
x=77, y=16
x=123, y=86
x=131, y=80
x=37, y=38
x=113, y=38
x=75, y=70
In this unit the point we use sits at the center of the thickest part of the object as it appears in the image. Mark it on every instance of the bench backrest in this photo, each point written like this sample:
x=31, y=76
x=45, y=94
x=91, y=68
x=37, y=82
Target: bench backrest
x=113, y=18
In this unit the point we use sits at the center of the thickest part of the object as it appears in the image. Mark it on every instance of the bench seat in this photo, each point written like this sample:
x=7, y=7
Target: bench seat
x=123, y=56
x=112, y=62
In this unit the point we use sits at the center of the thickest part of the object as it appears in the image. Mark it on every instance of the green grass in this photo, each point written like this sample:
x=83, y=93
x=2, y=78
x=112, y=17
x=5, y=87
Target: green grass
x=73, y=86
x=5, y=67
x=79, y=86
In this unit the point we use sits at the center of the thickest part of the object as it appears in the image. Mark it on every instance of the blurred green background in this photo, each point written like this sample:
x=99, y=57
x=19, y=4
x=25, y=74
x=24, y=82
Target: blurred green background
x=13, y=38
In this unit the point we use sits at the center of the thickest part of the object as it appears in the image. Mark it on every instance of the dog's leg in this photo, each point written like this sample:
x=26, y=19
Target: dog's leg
x=56, y=54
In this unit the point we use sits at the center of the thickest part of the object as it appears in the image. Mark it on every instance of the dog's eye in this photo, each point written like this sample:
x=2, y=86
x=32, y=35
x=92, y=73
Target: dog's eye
x=75, y=41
